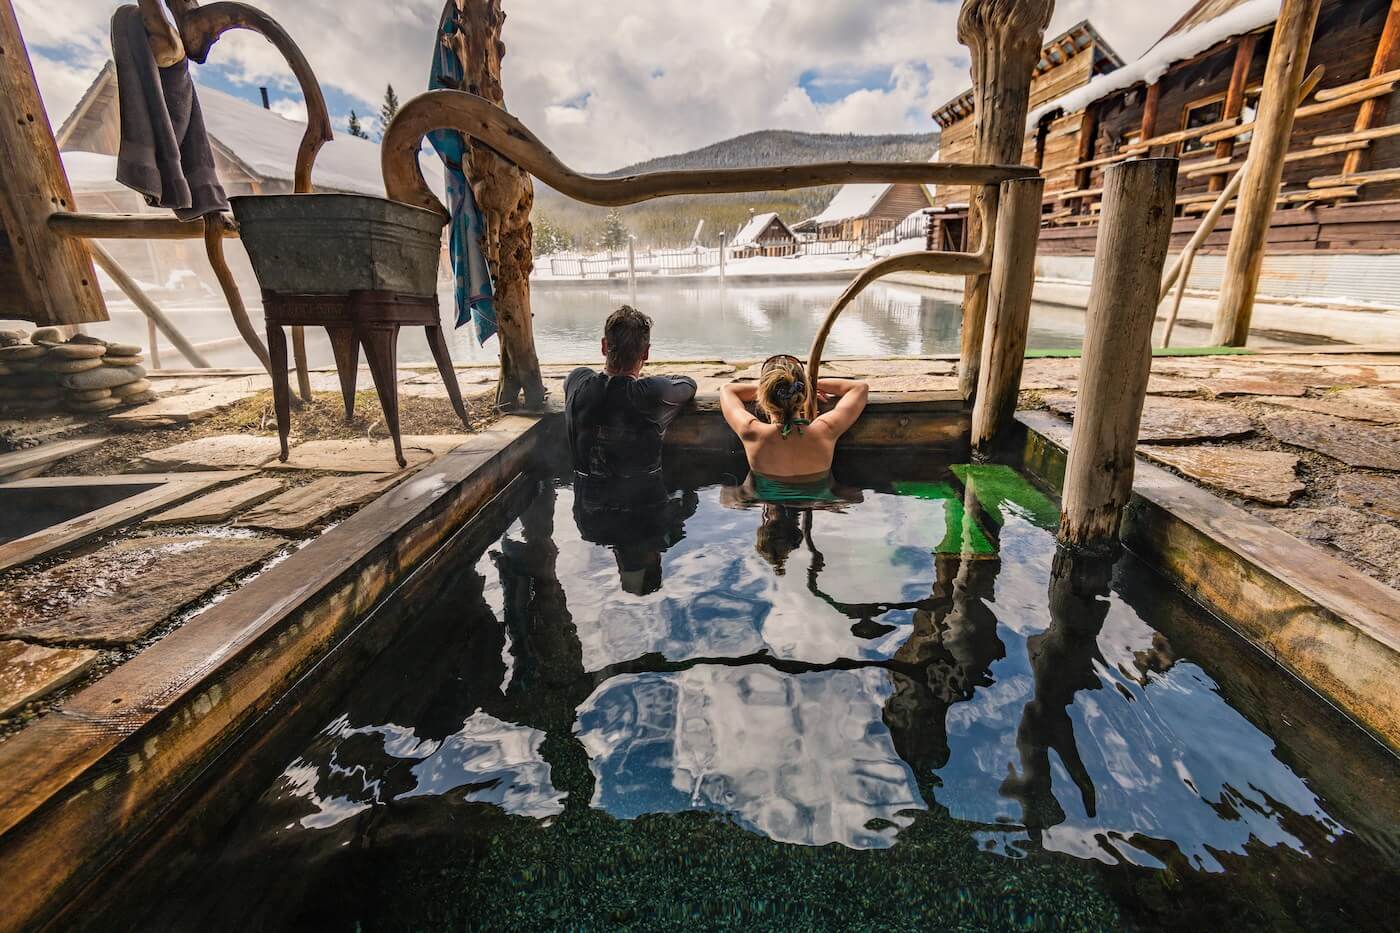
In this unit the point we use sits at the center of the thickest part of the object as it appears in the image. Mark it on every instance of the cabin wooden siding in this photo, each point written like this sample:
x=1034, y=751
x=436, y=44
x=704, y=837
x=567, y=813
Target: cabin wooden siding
x=1347, y=35
x=956, y=141
x=886, y=213
x=774, y=240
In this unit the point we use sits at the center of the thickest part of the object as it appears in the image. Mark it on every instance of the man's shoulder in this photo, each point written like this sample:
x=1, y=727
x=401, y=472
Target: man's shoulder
x=576, y=378
x=665, y=383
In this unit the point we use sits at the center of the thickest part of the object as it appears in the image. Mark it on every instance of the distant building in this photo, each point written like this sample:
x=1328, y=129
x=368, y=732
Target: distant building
x=764, y=235
x=254, y=149
x=864, y=212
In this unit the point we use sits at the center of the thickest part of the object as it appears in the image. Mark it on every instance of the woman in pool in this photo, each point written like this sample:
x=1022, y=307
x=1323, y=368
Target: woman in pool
x=790, y=457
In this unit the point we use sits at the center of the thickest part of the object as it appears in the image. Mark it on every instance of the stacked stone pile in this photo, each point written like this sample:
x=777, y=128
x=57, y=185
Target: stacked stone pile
x=43, y=370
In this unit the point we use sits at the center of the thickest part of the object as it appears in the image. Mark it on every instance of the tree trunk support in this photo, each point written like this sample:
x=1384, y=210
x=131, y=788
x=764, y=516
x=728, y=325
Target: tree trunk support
x=1005, y=38
x=1139, y=203
x=1272, y=134
x=1008, y=311
x=1374, y=111
x=54, y=275
x=1245, y=47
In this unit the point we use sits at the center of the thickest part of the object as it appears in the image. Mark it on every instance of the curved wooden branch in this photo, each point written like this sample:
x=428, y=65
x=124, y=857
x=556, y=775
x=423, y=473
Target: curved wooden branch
x=214, y=247
x=483, y=121
x=952, y=264
x=201, y=26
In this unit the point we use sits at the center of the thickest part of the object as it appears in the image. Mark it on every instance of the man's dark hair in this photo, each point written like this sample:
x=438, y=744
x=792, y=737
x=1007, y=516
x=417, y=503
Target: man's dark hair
x=628, y=333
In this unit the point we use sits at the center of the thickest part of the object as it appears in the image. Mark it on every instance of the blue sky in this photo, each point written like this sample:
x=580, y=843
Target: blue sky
x=609, y=84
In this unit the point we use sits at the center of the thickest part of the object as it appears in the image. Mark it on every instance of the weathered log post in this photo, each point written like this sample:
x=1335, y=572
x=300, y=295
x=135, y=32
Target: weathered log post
x=1009, y=310
x=505, y=194
x=1005, y=38
x=1138, y=204
x=1273, y=131
x=52, y=276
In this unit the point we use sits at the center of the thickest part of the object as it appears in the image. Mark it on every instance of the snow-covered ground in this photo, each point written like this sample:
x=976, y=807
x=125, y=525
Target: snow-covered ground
x=763, y=266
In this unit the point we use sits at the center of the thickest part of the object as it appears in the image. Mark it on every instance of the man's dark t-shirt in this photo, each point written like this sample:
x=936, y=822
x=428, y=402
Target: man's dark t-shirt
x=616, y=423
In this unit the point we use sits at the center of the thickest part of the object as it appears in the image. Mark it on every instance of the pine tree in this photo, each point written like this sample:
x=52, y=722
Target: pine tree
x=614, y=233
x=388, y=109
x=549, y=239
x=354, y=127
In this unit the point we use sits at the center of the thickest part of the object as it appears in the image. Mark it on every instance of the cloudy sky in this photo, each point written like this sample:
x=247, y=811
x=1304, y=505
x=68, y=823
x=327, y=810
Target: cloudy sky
x=608, y=84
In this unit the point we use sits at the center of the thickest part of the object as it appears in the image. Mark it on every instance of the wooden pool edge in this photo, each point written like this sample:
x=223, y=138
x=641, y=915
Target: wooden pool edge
x=80, y=783
x=1331, y=627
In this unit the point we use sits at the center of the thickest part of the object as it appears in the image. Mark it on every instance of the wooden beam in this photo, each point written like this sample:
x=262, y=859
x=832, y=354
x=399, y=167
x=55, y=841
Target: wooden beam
x=136, y=226
x=55, y=274
x=1380, y=132
x=1311, y=110
x=1358, y=179
x=1302, y=155
x=1288, y=59
x=1385, y=64
x=1132, y=250
x=1008, y=311
x=1149, y=114
x=1004, y=38
x=1234, y=97
x=1179, y=136
x=1365, y=84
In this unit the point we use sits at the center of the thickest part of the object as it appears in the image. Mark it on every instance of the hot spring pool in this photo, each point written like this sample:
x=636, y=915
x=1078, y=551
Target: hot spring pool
x=909, y=713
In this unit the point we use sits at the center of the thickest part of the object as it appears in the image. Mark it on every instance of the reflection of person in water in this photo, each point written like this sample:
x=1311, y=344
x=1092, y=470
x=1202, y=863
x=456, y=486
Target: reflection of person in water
x=779, y=534
x=1062, y=660
x=638, y=536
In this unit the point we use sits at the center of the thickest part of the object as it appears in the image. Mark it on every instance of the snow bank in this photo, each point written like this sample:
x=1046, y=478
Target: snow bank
x=1244, y=18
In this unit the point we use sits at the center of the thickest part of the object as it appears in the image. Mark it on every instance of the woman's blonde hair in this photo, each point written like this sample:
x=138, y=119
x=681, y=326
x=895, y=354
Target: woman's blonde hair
x=782, y=390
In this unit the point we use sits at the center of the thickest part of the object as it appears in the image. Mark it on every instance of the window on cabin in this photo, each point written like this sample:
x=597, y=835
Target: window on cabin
x=1249, y=114
x=1199, y=114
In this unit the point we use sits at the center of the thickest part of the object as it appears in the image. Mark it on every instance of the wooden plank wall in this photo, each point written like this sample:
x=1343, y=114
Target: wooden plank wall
x=1347, y=34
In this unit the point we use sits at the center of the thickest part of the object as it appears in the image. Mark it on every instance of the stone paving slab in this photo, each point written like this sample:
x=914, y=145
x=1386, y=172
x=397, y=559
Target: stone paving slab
x=29, y=461
x=1341, y=405
x=180, y=409
x=1266, y=476
x=364, y=455
x=30, y=672
x=302, y=508
x=1353, y=443
x=1367, y=491
x=220, y=505
x=1364, y=538
x=1271, y=384
x=1179, y=420
x=119, y=593
x=219, y=452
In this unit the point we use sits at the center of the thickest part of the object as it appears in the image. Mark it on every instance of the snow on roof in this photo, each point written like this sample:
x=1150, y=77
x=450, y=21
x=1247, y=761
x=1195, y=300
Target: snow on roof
x=267, y=144
x=852, y=201
x=749, y=233
x=1245, y=17
x=90, y=171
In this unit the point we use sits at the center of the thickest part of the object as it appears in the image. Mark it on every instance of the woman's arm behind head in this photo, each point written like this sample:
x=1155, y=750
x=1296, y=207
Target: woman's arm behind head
x=854, y=395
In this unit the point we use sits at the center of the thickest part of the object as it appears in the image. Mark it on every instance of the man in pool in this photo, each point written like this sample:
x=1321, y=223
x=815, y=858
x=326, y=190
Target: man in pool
x=616, y=421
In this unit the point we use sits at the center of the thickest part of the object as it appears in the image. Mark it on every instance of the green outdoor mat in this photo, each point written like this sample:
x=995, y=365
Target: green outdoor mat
x=963, y=535
x=1000, y=488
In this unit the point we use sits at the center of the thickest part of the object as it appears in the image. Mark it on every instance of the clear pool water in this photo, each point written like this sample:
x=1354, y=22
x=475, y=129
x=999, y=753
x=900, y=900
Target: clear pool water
x=910, y=712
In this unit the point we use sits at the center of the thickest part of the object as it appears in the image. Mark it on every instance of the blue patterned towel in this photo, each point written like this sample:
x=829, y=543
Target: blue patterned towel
x=475, y=297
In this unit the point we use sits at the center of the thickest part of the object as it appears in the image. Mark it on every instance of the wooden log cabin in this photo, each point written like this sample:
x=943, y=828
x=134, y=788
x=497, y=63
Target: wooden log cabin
x=863, y=212
x=1193, y=95
x=1067, y=62
x=764, y=235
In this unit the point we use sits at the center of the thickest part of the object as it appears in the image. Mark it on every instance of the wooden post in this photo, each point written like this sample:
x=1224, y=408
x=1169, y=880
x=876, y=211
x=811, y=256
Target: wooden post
x=1374, y=111
x=1272, y=133
x=723, y=244
x=1149, y=111
x=1005, y=38
x=1008, y=310
x=632, y=269
x=1138, y=206
x=1088, y=142
x=55, y=277
x=1245, y=47
x=505, y=195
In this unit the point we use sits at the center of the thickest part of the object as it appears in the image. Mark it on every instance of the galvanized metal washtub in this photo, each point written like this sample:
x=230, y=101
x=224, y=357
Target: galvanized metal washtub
x=334, y=244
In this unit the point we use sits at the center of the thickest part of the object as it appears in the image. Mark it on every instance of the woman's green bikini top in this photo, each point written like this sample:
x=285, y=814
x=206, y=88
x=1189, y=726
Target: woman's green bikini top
x=799, y=489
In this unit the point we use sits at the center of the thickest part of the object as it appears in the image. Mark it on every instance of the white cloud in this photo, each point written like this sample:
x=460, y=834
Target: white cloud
x=606, y=84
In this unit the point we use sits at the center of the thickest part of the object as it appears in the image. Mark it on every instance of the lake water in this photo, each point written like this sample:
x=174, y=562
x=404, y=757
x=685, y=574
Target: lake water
x=700, y=321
